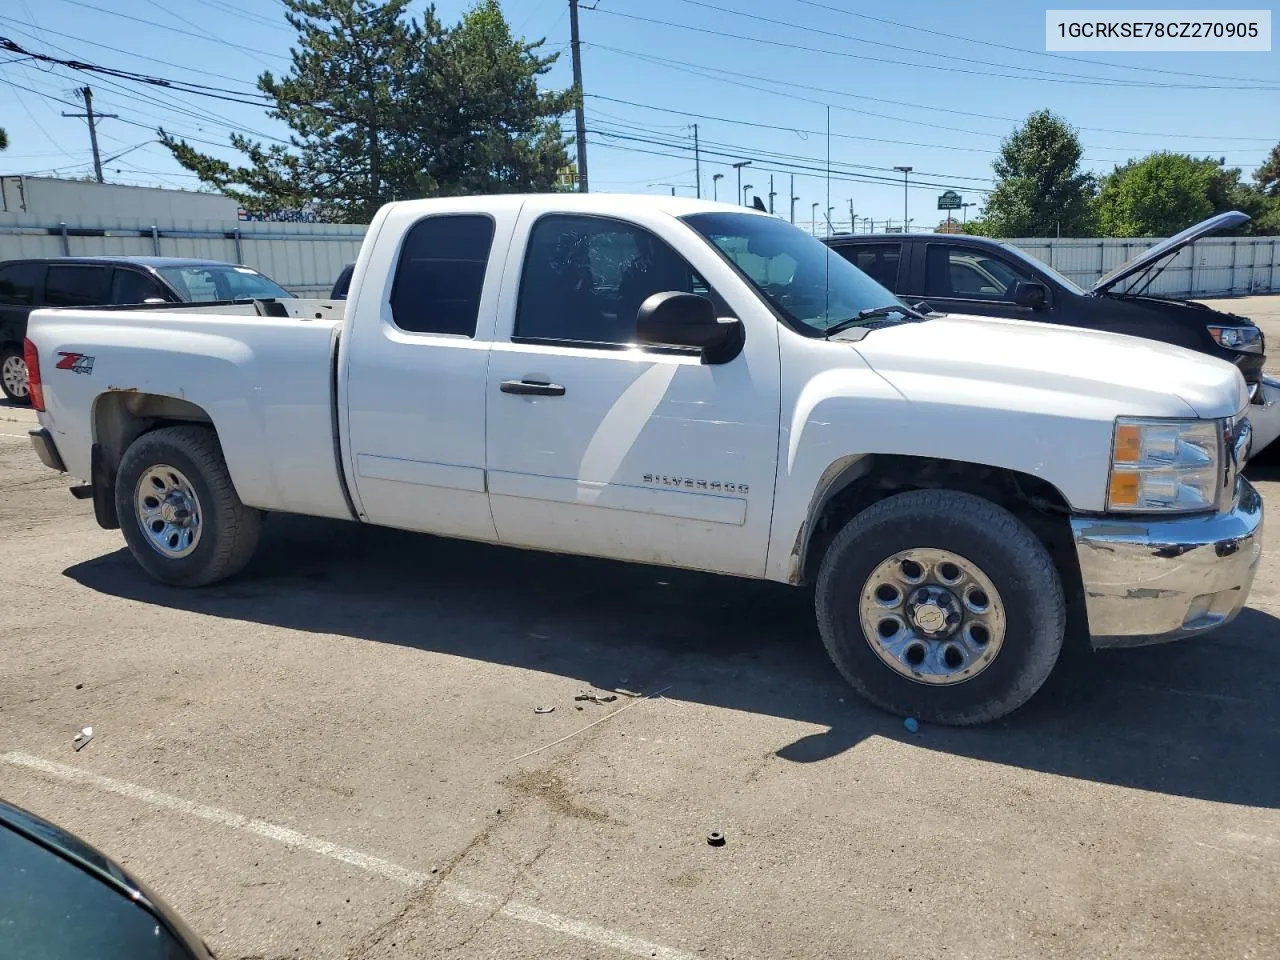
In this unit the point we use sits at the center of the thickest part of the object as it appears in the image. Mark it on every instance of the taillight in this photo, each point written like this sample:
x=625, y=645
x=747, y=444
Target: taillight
x=32, y=359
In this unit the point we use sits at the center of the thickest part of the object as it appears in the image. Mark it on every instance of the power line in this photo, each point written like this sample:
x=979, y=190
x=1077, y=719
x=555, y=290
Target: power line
x=179, y=86
x=1039, y=53
x=115, y=49
x=189, y=33
x=783, y=163
x=754, y=124
x=722, y=76
x=949, y=67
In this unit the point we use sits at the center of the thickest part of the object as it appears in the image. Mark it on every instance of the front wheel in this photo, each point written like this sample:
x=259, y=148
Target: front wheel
x=13, y=375
x=941, y=605
x=179, y=511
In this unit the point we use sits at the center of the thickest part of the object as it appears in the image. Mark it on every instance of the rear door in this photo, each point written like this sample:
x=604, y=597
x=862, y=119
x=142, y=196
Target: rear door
x=415, y=364
x=600, y=446
x=960, y=278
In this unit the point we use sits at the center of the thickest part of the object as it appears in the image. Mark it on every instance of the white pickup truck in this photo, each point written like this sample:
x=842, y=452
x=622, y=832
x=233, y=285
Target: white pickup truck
x=691, y=384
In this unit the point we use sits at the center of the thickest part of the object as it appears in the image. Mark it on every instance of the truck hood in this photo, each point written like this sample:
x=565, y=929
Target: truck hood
x=1138, y=377
x=1167, y=248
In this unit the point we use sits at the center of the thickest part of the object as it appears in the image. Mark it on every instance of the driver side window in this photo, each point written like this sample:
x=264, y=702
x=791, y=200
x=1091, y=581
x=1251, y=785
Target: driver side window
x=969, y=273
x=585, y=278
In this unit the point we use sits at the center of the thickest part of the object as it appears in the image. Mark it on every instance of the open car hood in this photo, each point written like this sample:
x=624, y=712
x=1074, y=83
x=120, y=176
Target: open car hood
x=1167, y=248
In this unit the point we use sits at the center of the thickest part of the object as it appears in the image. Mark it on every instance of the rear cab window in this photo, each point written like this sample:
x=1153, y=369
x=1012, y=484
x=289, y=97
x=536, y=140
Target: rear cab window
x=440, y=275
x=879, y=261
x=77, y=285
x=20, y=284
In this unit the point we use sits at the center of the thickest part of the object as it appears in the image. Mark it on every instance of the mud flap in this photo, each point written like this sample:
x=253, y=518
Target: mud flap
x=104, y=490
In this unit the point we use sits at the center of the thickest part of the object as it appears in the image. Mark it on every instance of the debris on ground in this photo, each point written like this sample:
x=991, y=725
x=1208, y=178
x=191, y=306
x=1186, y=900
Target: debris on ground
x=912, y=724
x=596, y=697
x=82, y=738
x=715, y=838
x=79, y=686
x=545, y=709
x=627, y=693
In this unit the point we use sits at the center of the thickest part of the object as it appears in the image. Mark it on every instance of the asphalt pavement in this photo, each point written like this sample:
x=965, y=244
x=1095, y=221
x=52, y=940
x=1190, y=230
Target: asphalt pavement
x=339, y=754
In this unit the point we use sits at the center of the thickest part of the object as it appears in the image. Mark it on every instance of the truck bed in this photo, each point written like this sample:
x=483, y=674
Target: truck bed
x=265, y=382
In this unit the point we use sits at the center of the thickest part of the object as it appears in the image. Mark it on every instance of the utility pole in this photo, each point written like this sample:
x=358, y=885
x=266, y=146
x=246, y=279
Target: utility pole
x=580, y=117
x=772, y=194
x=715, y=185
x=906, y=171
x=697, y=164
x=853, y=223
x=794, y=198
x=93, y=119
x=813, y=218
x=738, y=167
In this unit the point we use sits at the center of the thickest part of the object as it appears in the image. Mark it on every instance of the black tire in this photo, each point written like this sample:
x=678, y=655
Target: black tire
x=11, y=358
x=1002, y=547
x=228, y=529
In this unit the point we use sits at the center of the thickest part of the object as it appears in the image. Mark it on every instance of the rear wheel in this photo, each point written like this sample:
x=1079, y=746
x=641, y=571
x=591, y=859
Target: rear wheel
x=13, y=375
x=941, y=605
x=178, y=510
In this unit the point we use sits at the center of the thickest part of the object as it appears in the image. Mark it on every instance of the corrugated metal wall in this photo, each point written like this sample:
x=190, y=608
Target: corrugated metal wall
x=1215, y=266
x=304, y=258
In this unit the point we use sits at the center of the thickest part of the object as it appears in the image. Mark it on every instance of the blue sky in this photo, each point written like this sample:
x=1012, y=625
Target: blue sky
x=941, y=107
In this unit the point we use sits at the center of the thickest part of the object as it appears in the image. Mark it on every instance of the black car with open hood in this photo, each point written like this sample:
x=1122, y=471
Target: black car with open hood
x=957, y=273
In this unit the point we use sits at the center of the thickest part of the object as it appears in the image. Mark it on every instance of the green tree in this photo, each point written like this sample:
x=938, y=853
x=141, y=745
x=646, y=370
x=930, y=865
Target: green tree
x=4, y=139
x=1040, y=189
x=1164, y=192
x=1267, y=176
x=385, y=107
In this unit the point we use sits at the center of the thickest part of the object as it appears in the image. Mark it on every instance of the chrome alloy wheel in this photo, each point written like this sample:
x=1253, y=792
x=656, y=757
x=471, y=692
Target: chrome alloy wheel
x=168, y=511
x=14, y=375
x=932, y=616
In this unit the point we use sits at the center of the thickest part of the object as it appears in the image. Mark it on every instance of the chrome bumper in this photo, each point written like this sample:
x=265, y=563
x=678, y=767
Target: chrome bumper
x=1158, y=579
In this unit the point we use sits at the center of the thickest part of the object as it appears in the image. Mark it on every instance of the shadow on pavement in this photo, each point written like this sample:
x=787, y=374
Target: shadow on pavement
x=1196, y=719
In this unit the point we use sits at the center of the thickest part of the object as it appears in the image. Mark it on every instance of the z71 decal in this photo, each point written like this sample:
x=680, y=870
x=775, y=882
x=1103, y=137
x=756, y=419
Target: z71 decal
x=75, y=362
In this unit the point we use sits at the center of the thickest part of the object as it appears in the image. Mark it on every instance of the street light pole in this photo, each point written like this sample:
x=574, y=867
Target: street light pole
x=906, y=171
x=738, y=166
x=715, y=185
x=813, y=218
x=772, y=193
x=794, y=198
x=964, y=213
x=745, y=188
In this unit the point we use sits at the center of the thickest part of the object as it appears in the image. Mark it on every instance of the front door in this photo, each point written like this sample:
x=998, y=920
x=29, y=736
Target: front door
x=963, y=279
x=601, y=447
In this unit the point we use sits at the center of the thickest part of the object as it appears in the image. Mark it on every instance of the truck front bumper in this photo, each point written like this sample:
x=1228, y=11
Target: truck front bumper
x=1157, y=579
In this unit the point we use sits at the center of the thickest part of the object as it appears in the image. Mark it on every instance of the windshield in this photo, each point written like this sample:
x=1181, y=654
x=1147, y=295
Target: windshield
x=204, y=282
x=804, y=280
x=1045, y=268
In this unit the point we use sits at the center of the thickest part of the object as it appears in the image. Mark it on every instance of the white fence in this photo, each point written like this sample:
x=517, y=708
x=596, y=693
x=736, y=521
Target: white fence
x=1213, y=267
x=304, y=258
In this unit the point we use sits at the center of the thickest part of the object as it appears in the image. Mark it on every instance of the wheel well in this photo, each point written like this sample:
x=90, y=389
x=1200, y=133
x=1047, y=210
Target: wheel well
x=853, y=485
x=121, y=416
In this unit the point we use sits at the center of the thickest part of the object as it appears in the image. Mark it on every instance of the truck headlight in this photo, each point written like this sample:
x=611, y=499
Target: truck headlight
x=1244, y=339
x=1164, y=465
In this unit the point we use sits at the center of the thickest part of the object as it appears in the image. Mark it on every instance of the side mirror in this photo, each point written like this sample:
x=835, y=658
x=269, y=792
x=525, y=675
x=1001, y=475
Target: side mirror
x=675, y=319
x=1029, y=293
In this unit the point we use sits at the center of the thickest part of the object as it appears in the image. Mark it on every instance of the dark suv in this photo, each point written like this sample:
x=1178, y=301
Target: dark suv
x=27, y=285
x=957, y=273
